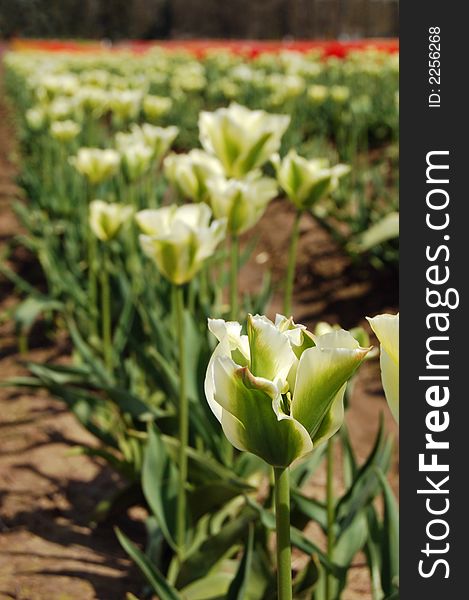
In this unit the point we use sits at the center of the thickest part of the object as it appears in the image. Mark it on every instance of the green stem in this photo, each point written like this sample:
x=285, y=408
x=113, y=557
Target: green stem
x=92, y=284
x=234, y=266
x=203, y=282
x=330, y=513
x=106, y=313
x=183, y=426
x=282, y=519
x=290, y=278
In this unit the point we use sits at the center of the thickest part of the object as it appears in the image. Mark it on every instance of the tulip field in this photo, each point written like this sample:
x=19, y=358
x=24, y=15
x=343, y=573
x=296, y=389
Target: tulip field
x=156, y=184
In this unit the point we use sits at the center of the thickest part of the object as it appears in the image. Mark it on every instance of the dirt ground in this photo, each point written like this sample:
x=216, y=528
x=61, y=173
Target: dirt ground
x=48, y=551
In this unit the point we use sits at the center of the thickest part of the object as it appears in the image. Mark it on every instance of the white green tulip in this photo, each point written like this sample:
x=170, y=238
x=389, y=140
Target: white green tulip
x=278, y=391
x=95, y=164
x=107, y=218
x=64, y=131
x=155, y=107
x=317, y=93
x=386, y=328
x=307, y=181
x=179, y=239
x=36, y=118
x=189, y=173
x=241, y=201
x=159, y=138
x=136, y=160
x=241, y=139
x=125, y=104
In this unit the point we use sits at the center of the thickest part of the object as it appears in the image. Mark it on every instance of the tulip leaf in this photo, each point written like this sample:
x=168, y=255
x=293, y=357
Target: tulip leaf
x=237, y=589
x=384, y=230
x=159, y=482
x=213, y=587
x=365, y=485
x=301, y=473
x=306, y=580
x=309, y=507
x=90, y=358
x=390, y=537
x=203, y=469
x=124, y=323
x=373, y=551
x=213, y=550
x=158, y=583
x=28, y=311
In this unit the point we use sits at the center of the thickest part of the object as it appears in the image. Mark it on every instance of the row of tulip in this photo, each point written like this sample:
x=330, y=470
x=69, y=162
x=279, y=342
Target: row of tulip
x=338, y=109
x=134, y=272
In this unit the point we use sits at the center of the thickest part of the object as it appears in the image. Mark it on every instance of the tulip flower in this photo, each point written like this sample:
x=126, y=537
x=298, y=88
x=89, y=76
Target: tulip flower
x=190, y=173
x=179, y=239
x=305, y=182
x=36, y=118
x=62, y=108
x=317, y=93
x=95, y=164
x=159, y=139
x=125, y=104
x=64, y=131
x=241, y=139
x=278, y=393
x=241, y=202
x=136, y=160
x=155, y=107
x=278, y=390
x=386, y=329
x=93, y=100
x=107, y=218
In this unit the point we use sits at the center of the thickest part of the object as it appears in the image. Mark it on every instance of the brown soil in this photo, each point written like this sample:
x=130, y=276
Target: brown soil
x=48, y=551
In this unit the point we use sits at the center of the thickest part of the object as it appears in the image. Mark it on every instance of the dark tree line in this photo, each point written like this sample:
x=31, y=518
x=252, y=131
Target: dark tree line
x=148, y=19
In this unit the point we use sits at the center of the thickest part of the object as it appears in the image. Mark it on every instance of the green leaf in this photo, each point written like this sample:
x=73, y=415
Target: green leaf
x=203, y=468
x=390, y=537
x=365, y=485
x=214, y=549
x=382, y=231
x=373, y=551
x=306, y=580
x=213, y=587
x=158, y=583
x=28, y=311
x=90, y=358
x=238, y=586
x=301, y=473
x=159, y=482
x=309, y=507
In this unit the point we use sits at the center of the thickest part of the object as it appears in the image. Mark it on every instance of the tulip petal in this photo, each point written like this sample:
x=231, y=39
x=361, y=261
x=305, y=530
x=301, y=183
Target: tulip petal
x=322, y=372
x=271, y=354
x=386, y=328
x=333, y=419
x=252, y=423
x=390, y=380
